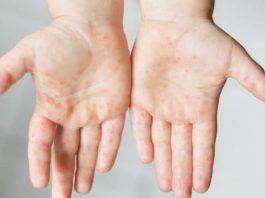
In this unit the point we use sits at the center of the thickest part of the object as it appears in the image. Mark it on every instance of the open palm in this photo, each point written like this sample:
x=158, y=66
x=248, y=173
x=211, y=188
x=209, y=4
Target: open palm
x=82, y=77
x=179, y=70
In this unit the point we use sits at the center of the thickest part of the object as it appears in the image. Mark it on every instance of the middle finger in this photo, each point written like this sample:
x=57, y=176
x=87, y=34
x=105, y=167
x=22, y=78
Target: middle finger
x=65, y=148
x=182, y=160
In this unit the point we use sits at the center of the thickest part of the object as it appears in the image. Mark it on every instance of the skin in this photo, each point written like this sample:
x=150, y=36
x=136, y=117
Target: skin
x=180, y=65
x=82, y=74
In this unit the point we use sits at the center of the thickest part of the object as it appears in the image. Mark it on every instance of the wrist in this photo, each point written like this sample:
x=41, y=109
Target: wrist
x=175, y=10
x=95, y=12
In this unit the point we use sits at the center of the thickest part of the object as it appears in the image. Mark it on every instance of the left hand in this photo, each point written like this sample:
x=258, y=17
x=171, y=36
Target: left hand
x=179, y=70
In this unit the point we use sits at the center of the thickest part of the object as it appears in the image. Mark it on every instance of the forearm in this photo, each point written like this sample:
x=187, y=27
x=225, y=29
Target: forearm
x=172, y=10
x=94, y=11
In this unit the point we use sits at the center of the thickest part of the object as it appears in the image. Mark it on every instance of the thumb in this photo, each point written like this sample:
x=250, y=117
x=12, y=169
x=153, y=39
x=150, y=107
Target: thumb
x=249, y=73
x=13, y=66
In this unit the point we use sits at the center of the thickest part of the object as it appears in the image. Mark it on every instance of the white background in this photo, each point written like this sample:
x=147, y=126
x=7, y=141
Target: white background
x=240, y=162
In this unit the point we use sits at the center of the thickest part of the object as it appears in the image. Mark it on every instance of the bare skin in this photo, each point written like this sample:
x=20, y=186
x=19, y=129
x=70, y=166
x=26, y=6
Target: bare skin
x=82, y=74
x=180, y=65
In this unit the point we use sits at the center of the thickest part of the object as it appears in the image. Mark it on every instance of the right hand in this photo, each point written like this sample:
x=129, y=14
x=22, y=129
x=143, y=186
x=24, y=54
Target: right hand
x=82, y=76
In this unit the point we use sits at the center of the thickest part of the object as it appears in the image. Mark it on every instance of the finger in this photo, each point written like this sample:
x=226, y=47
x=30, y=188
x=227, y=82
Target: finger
x=204, y=136
x=141, y=126
x=161, y=135
x=247, y=72
x=65, y=149
x=41, y=136
x=110, y=142
x=13, y=66
x=182, y=160
x=87, y=158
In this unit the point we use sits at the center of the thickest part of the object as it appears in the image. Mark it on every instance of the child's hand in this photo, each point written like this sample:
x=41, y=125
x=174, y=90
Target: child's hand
x=179, y=70
x=82, y=76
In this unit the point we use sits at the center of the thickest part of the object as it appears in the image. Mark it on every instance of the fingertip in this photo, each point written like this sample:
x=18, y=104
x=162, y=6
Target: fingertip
x=5, y=82
x=105, y=164
x=165, y=186
x=83, y=185
x=145, y=152
x=14, y=65
x=256, y=85
x=146, y=159
x=260, y=93
x=201, y=186
x=82, y=188
x=104, y=167
x=39, y=182
x=248, y=72
x=39, y=173
x=201, y=181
